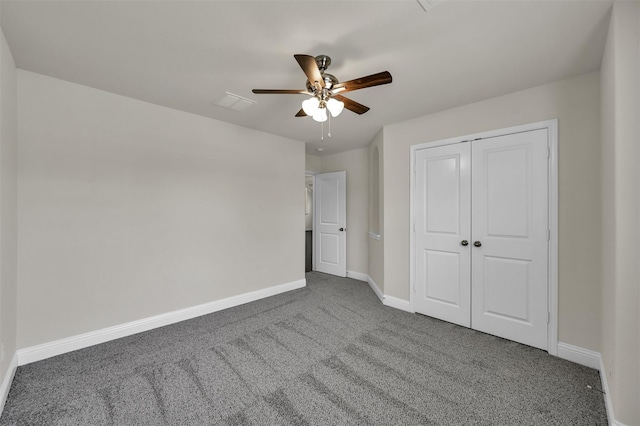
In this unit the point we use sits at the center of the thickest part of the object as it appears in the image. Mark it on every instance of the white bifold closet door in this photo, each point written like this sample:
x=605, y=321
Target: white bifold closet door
x=442, y=221
x=481, y=235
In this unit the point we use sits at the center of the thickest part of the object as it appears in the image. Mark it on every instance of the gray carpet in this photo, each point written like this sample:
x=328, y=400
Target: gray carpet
x=328, y=354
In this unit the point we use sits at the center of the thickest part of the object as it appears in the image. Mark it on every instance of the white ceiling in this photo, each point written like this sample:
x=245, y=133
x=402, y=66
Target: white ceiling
x=186, y=54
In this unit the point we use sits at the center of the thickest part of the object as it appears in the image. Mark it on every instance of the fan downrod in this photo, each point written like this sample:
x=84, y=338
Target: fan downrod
x=323, y=62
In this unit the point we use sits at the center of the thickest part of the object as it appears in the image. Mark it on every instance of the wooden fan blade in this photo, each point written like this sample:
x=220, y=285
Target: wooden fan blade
x=352, y=105
x=301, y=113
x=310, y=68
x=280, y=91
x=378, y=79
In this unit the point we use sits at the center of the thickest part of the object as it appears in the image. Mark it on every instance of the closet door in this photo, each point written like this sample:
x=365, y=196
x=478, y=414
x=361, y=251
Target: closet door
x=510, y=237
x=442, y=233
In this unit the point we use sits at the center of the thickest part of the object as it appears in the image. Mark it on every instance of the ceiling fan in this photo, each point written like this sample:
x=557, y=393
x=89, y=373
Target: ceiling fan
x=325, y=89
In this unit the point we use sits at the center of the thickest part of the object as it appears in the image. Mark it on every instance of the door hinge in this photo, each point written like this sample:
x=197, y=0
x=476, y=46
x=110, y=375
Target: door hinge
x=414, y=228
x=548, y=317
x=548, y=234
x=548, y=152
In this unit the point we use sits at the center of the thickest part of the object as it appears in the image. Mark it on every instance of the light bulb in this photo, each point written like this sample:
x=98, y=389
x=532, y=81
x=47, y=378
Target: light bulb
x=310, y=106
x=320, y=115
x=335, y=107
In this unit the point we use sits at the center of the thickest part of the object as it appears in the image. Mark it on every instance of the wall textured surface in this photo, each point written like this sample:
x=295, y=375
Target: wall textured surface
x=376, y=246
x=8, y=205
x=620, y=88
x=129, y=210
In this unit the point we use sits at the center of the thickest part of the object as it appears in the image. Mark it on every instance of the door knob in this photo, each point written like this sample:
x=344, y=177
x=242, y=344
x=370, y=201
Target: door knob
x=477, y=243
x=341, y=229
x=464, y=243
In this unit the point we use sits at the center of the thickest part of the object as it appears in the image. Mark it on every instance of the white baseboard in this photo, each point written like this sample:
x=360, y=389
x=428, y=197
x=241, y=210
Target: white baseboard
x=579, y=355
x=594, y=360
x=58, y=347
x=375, y=288
x=357, y=276
x=607, y=396
x=607, y=399
x=395, y=302
x=8, y=379
x=392, y=302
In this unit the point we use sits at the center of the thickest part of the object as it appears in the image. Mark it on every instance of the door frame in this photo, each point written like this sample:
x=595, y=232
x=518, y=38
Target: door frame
x=552, y=131
x=313, y=223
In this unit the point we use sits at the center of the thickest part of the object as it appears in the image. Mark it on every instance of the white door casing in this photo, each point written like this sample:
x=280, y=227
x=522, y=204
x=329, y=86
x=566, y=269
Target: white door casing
x=442, y=223
x=513, y=216
x=330, y=223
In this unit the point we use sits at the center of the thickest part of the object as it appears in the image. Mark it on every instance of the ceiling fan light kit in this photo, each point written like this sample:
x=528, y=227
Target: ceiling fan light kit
x=317, y=108
x=325, y=89
x=335, y=106
x=320, y=115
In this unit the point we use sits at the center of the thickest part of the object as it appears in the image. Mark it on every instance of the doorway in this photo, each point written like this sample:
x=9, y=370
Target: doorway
x=308, y=221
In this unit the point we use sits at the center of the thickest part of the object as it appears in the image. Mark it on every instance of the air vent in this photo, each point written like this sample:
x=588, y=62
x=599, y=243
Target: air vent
x=234, y=102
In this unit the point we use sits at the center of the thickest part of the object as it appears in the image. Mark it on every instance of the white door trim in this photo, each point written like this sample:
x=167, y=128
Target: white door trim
x=313, y=221
x=552, y=129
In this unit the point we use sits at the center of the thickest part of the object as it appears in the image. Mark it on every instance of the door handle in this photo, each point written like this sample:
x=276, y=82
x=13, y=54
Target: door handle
x=464, y=243
x=342, y=229
x=477, y=244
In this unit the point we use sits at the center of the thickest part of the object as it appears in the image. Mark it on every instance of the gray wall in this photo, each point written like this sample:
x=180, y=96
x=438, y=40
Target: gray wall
x=376, y=246
x=8, y=206
x=621, y=211
x=129, y=210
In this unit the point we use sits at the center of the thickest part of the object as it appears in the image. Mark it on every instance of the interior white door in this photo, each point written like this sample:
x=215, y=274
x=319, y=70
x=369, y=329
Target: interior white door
x=330, y=227
x=510, y=226
x=442, y=233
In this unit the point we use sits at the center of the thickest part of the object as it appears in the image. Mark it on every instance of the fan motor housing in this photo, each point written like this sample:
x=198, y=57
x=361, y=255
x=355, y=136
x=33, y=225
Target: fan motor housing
x=329, y=81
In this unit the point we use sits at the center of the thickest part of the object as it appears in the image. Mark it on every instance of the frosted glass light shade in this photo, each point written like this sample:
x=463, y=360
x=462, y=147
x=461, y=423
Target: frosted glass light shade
x=310, y=106
x=335, y=107
x=320, y=115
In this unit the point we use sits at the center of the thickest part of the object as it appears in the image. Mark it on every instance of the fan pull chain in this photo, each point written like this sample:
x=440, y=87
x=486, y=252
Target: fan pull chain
x=322, y=128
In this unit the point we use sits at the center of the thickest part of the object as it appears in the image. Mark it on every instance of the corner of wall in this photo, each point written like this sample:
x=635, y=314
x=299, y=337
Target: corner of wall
x=620, y=297
x=375, y=240
x=8, y=217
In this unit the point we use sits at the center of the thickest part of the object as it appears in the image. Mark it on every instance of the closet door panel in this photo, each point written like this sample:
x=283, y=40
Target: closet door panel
x=442, y=222
x=510, y=226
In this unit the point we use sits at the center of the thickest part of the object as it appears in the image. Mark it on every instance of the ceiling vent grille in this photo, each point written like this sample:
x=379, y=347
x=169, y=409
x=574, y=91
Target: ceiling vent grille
x=234, y=102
